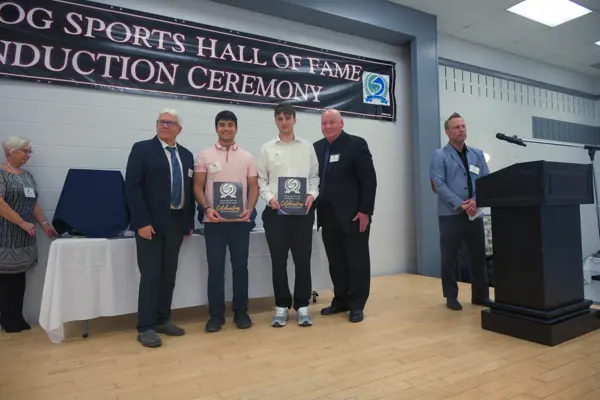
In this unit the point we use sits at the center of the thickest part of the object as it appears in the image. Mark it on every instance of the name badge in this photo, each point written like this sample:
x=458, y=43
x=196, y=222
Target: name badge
x=334, y=158
x=29, y=192
x=190, y=173
x=214, y=167
x=474, y=169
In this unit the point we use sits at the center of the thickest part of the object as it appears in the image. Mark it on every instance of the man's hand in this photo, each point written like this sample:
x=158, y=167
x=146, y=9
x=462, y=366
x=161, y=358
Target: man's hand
x=363, y=220
x=274, y=204
x=309, y=202
x=469, y=206
x=213, y=215
x=245, y=216
x=146, y=232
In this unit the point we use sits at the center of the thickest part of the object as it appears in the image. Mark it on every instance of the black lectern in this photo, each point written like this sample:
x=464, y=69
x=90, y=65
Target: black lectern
x=536, y=234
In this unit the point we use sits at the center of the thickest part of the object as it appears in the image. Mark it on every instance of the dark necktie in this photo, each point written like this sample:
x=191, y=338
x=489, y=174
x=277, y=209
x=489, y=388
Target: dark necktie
x=325, y=164
x=176, y=178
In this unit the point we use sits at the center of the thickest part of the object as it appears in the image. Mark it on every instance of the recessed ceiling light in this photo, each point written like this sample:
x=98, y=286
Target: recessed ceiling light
x=598, y=42
x=549, y=12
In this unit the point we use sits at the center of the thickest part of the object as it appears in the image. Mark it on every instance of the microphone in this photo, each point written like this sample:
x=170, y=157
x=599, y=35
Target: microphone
x=510, y=139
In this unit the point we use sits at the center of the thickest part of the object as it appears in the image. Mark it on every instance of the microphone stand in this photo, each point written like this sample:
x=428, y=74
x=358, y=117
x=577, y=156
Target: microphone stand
x=591, y=149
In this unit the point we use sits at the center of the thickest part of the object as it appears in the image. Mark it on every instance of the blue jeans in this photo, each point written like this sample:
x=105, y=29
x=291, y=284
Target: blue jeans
x=218, y=237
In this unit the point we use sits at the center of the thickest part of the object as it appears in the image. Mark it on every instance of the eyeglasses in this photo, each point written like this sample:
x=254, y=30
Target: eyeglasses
x=26, y=151
x=168, y=124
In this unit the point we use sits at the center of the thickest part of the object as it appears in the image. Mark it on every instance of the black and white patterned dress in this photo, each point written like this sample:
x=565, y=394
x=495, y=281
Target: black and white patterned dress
x=18, y=250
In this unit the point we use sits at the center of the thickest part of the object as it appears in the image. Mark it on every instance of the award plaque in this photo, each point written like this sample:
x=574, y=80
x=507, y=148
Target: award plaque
x=291, y=196
x=228, y=200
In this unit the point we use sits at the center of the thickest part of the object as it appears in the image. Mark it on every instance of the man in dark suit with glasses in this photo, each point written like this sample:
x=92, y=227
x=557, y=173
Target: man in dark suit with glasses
x=160, y=196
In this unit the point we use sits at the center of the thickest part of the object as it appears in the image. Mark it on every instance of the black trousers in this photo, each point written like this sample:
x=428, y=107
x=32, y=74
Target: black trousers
x=157, y=261
x=453, y=230
x=219, y=236
x=349, y=261
x=12, y=293
x=284, y=233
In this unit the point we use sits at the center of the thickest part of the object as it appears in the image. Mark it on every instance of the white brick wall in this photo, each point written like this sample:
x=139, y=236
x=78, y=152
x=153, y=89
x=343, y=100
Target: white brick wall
x=84, y=128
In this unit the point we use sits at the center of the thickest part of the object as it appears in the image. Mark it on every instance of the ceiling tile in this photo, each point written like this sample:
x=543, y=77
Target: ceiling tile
x=582, y=30
x=593, y=5
x=487, y=22
x=486, y=39
x=528, y=50
x=495, y=27
x=459, y=12
x=502, y=4
x=450, y=29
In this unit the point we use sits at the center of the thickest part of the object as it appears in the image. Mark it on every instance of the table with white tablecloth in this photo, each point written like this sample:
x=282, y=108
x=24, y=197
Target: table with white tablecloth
x=91, y=278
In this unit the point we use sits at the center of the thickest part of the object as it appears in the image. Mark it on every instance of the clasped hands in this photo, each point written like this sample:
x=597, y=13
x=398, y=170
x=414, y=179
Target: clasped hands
x=30, y=229
x=469, y=206
x=274, y=204
x=213, y=216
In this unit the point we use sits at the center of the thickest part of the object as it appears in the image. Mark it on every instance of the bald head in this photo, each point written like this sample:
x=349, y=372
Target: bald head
x=332, y=124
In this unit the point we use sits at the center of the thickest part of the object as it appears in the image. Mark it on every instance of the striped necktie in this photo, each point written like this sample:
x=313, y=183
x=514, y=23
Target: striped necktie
x=176, y=178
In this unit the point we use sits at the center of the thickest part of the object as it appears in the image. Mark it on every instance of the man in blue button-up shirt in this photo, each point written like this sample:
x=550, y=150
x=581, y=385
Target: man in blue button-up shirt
x=454, y=171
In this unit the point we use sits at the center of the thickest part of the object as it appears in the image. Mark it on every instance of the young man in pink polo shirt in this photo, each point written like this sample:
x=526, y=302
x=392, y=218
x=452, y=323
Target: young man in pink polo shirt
x=226, y=187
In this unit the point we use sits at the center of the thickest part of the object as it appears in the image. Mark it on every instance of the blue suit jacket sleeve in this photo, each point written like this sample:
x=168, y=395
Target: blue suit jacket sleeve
x=484, y=167
x=134, y=178
x=437, y=174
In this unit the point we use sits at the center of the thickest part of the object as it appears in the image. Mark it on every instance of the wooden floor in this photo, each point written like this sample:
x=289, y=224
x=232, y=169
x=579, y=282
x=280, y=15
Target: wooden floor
x=408, y=347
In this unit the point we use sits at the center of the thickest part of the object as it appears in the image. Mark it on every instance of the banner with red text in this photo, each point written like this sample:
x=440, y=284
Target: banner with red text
x=98, y=46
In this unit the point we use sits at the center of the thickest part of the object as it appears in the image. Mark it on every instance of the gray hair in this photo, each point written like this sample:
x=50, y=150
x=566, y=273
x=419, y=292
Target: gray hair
x=172, y=112
x=14, y=143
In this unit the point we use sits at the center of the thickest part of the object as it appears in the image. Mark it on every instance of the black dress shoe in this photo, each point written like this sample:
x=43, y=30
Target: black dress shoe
x=149, y=338
x=9, y=325
x=242, y=320
x=481, y=302
x=24, y=325
x=331, y=310
x=356, y=316
x=170, y=329
x=453, y=304
x=214, y=324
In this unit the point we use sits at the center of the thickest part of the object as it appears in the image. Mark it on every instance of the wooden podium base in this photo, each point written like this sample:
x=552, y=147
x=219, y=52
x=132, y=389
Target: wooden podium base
x=543, y=332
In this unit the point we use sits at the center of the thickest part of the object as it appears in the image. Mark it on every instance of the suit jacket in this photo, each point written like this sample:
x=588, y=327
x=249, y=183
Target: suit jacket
x=148, y=186
x=449, y=176
x=350, y=182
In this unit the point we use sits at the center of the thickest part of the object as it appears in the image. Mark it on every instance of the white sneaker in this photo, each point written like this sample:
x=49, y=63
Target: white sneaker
x=280, y=318
x=303, y=317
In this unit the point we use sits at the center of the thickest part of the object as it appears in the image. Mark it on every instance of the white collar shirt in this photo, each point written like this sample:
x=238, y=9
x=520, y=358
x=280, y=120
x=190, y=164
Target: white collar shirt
x=287, y=159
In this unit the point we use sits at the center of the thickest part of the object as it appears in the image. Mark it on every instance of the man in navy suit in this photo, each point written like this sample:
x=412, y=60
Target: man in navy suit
x=160, y=196
x=453, y=171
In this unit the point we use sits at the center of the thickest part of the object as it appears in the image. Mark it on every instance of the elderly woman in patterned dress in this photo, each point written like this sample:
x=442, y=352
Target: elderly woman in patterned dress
x=19, y=209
